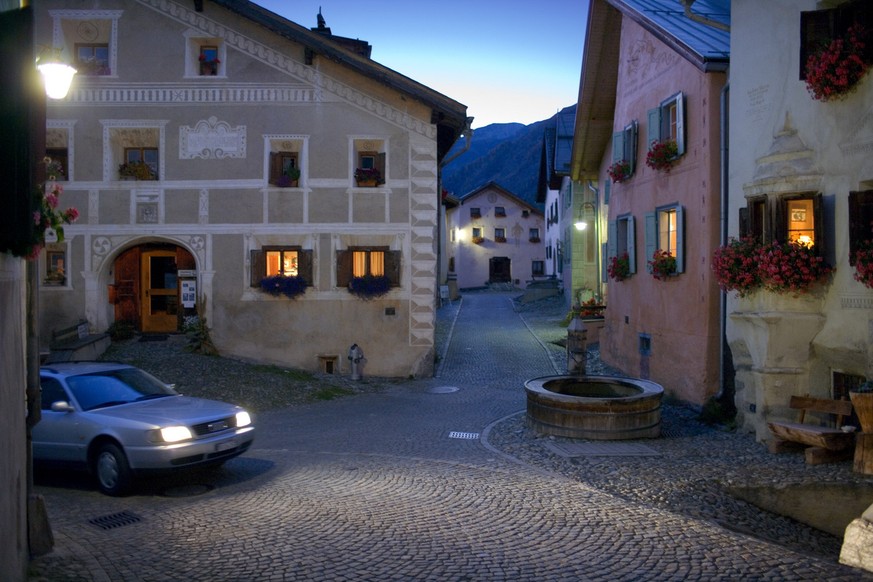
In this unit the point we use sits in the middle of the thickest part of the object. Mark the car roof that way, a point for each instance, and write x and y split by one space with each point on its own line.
77 368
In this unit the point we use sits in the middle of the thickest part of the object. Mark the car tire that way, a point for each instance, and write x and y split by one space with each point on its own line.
112 470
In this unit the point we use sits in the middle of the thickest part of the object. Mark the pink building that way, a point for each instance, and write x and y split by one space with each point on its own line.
651 85
495 237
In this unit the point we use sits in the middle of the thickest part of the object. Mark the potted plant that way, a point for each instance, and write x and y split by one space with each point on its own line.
500 239
619 171
834 71
368 177
48 219
619 267
289 286
663 265
662 154
289 179
136 171
478 240
369 286
862 400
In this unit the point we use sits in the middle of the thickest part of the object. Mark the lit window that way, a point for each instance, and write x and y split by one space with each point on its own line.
282 263
665 232
368 263
55 265
362 261
801 225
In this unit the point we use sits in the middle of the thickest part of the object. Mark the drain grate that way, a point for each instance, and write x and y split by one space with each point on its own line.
464 435
114 520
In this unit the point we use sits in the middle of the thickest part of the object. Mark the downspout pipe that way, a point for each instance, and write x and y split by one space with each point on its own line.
596 192
724 123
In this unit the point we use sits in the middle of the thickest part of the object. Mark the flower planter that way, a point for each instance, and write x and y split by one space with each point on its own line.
371 183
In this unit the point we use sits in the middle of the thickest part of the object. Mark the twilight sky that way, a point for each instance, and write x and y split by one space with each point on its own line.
506 60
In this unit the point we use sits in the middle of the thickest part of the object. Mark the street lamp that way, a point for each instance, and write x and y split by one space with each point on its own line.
57 75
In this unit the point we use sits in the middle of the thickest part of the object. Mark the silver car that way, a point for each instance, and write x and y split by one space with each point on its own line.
118 420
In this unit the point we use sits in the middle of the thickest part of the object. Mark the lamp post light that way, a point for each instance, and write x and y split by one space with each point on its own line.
56 74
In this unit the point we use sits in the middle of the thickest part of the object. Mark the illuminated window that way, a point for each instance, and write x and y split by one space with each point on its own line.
782 218
363 261
288 261
667 122
282 263
55 265
665 231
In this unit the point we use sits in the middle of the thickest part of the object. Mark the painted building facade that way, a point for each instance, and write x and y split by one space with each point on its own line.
243 133
495 237
798 162
654 88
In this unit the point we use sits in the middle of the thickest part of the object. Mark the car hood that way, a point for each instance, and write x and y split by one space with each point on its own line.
176 409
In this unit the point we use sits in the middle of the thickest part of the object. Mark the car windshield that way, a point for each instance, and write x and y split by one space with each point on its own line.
114 387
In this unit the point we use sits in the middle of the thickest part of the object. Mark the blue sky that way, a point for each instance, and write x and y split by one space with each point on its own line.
506 60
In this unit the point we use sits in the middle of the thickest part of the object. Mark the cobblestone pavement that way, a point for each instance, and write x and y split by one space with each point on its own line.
440 479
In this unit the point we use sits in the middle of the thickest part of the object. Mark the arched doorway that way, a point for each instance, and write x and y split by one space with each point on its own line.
146 287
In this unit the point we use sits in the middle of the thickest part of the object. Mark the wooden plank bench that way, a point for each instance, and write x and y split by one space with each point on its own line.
823 444
76 343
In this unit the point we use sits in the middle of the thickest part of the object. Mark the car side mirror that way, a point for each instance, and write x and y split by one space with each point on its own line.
62 406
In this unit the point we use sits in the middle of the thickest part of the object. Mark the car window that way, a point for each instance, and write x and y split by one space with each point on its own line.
115 387
51 392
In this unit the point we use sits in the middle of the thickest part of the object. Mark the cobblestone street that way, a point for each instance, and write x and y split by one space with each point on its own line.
440 479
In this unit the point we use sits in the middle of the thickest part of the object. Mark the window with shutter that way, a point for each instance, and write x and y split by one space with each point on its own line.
277 260
667 122
367 261
621 239
797 217
819 27
665 231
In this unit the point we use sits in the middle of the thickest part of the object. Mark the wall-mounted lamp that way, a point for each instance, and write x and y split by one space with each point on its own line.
57 75
580 223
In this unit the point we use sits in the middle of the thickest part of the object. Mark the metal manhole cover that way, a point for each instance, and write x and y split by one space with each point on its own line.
443 389
115 520
187 490
464 435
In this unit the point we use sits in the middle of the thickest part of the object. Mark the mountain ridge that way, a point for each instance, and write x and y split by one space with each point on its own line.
507 154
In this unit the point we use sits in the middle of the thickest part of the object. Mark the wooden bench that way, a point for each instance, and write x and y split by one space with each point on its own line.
76 343
824 444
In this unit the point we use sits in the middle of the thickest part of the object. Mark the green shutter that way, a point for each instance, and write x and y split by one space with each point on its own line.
617 146
630 146
680 123
611 242
631 244
680 239
606 187
651 238
653 127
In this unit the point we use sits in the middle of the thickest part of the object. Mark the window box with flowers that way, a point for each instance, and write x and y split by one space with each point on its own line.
500 239
209 62
618 268
834 71
662 155
747 266
478 240
619 171
48 221
368 177
864 264
290 178
662 265
534 239
136 171
289 286
369 286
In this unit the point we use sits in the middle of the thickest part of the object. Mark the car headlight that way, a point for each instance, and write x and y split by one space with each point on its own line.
243 419
174 434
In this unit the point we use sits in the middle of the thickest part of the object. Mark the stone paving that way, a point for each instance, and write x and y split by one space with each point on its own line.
439 479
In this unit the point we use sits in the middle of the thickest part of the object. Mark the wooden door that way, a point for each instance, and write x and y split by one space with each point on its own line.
160 291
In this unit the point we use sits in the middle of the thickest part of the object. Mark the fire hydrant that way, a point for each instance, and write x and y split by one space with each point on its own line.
356 355
577 347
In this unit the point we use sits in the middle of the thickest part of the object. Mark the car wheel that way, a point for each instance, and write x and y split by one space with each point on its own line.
112 470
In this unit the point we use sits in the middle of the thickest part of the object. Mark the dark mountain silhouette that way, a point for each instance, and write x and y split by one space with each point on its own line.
505 153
